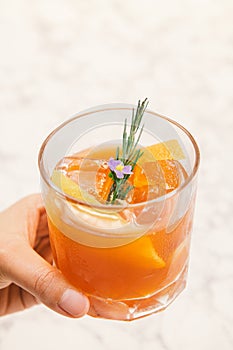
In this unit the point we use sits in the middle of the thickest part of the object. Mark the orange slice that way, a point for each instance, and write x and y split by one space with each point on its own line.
166 172
71 188
138 179
162 171
103 182
140 253
166 150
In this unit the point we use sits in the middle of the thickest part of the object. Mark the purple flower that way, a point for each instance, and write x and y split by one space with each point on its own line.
119 168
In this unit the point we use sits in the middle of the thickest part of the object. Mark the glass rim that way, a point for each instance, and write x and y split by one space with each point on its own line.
99 109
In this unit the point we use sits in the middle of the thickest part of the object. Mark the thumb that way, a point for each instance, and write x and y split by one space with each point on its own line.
32 273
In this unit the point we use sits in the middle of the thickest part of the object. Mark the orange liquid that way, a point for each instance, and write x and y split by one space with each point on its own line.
119 273
134 270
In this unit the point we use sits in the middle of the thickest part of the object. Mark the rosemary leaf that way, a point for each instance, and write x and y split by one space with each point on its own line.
129 155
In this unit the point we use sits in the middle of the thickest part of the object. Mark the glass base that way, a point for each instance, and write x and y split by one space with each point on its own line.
131 309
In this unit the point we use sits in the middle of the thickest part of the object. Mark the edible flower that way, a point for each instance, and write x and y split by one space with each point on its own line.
118 167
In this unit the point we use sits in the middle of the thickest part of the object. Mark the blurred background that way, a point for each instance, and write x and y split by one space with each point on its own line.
59 57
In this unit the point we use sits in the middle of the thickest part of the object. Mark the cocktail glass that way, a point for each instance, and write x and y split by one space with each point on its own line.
129 258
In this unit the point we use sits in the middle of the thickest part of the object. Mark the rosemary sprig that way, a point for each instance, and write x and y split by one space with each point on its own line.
122 167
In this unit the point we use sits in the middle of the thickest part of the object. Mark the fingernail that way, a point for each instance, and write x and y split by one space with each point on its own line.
74 303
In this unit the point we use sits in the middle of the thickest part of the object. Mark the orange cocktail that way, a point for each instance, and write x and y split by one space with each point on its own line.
129 257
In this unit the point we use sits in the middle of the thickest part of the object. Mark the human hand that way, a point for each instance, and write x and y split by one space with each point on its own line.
26 274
